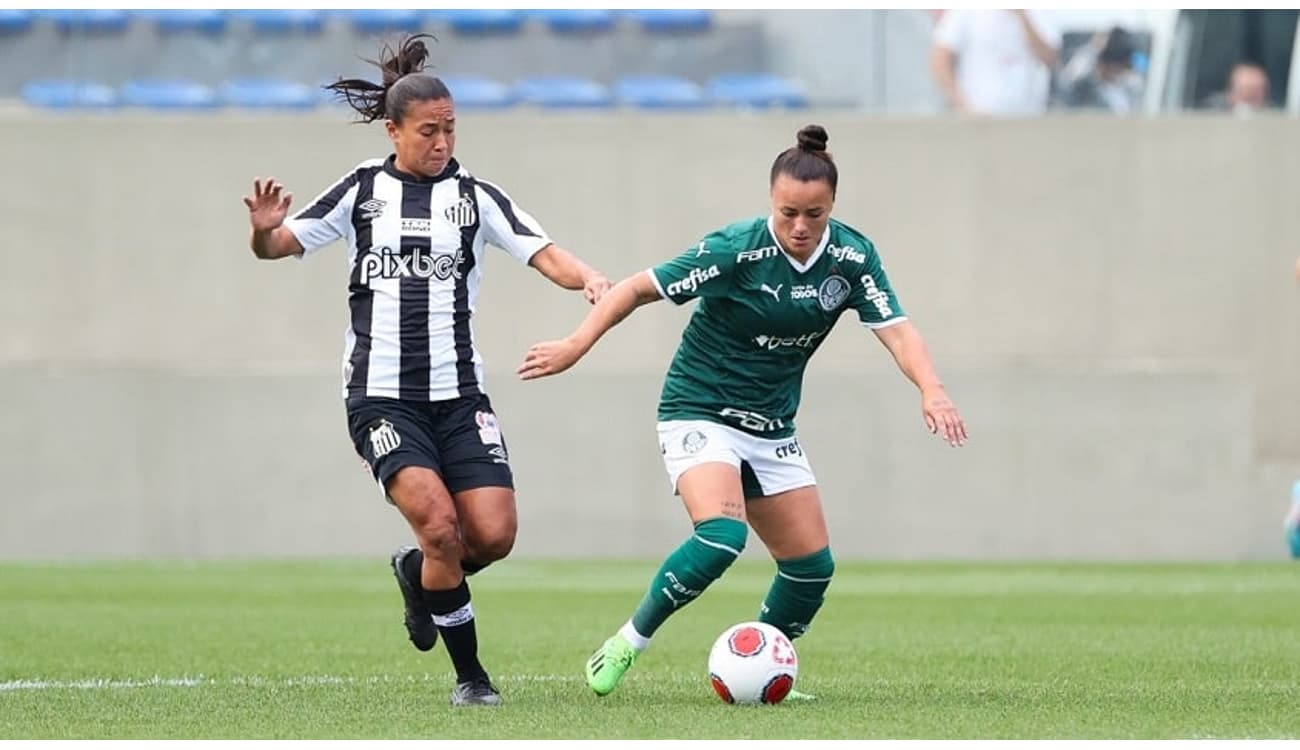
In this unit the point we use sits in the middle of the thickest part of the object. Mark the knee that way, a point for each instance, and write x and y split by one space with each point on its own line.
493 546
721 540
817 568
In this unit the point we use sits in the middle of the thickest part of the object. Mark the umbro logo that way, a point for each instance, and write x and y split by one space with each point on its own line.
372 209
776 293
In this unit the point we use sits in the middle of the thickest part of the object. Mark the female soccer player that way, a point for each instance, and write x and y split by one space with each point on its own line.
416 223
770 290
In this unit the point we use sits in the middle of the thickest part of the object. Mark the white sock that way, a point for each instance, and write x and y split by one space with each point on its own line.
638 641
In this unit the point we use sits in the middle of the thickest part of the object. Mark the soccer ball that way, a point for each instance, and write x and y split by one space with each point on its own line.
753 662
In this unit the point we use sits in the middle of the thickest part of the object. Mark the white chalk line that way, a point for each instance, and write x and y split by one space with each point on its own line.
256 681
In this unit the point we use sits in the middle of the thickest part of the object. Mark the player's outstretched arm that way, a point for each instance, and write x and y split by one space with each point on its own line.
566 270
267 209
553 357
913 358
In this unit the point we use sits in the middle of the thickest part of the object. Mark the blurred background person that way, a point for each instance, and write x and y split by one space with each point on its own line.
995 62
1248 90
1100 74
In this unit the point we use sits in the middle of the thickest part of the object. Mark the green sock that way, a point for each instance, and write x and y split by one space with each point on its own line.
797 592
699 561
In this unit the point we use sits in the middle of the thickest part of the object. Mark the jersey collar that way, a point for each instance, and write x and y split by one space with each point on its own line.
812 259
390 166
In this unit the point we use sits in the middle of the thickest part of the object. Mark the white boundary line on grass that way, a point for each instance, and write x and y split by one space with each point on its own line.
109 683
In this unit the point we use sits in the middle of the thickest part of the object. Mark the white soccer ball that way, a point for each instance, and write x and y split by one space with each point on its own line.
753 662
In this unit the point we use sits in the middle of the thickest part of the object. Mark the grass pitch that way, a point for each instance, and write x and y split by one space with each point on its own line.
316 650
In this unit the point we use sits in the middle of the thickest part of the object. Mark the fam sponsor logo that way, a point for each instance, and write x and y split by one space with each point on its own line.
418 263
805 341
749 256
846 254
752 420
693 280
877 297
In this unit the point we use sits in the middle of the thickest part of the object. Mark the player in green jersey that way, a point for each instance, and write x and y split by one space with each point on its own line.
770 290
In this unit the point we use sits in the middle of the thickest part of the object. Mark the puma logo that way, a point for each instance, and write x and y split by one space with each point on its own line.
776 293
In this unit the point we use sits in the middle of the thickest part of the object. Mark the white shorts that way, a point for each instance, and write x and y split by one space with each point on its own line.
766 466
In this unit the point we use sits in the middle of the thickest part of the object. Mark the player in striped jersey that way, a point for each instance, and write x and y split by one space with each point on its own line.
416 224
771 289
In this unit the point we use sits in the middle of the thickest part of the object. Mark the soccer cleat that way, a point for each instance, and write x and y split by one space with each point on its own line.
419 620
475 692
608 665
795 695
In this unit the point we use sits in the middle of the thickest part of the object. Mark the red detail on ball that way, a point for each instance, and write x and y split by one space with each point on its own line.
721 689
747 642
778 688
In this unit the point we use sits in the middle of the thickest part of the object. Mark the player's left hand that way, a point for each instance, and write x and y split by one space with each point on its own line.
942 418
595 286
549 358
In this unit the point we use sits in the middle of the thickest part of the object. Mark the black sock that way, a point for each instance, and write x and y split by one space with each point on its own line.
454 617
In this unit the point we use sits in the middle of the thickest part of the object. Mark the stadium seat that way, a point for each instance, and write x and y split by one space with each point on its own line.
14 21
68 94
486 21
477 92
100 21
380 21
563 92
267 93
282 21
757 90
167 94
671 21
660 92
176 21
577 21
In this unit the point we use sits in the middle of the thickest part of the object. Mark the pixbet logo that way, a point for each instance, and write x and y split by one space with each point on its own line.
386 263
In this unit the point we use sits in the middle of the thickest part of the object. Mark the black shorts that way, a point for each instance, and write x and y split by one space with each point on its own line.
459 439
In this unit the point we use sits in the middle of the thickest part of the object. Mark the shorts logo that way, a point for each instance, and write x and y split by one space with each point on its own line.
787 450
488 430
384 439
372 209
834 290
694 441
498 453
461 213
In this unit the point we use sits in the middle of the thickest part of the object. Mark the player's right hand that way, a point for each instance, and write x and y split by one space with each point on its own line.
269 205
549 358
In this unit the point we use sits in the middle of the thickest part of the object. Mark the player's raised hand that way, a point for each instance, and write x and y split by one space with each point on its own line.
549 358
942 417
594 286
269 205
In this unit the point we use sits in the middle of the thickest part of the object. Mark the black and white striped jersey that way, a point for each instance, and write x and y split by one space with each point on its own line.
415 251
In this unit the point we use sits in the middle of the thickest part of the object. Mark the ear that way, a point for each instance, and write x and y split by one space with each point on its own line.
391 127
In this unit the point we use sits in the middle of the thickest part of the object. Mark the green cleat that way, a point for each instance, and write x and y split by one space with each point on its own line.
795 695
608 665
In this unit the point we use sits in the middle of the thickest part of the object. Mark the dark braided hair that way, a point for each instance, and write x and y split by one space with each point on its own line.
808 161
403 82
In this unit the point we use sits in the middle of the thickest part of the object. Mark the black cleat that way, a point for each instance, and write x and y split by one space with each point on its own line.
419 620
475 692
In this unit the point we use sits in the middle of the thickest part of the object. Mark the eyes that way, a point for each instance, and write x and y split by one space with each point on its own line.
429 131
812 213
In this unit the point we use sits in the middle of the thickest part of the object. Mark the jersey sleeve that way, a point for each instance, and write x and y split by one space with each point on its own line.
952 30
508 226
327 218
873 297
705 270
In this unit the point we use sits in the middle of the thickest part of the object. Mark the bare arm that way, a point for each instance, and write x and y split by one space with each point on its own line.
943 66
1042 49
904 342
553 357
566 270
267 210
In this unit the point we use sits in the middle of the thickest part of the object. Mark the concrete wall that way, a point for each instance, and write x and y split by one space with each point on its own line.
1110 302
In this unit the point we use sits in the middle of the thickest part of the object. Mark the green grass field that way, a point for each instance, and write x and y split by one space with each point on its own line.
317 650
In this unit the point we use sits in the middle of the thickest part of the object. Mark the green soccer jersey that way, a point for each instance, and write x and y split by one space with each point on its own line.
761 316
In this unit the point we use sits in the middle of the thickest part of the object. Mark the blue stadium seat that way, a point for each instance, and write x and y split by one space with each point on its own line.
14 21
671 21
68 94
486 21
267 93
380 21
563 92
167 94
660 92
577 21
282 21
477 92
102 21
757 90
173 21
